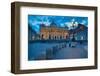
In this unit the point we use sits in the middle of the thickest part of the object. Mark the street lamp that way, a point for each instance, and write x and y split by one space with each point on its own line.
73 27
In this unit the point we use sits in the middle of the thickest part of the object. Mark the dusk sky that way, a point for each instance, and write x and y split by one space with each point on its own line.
61 21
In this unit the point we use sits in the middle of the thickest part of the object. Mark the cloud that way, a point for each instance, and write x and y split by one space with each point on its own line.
73 20
33 23
69 24
76 24
83 22
62 25
46 23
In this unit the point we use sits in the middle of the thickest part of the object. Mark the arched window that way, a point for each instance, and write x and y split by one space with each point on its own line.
81 37
42 36
66 36
75 38
49 36
55 37
60 37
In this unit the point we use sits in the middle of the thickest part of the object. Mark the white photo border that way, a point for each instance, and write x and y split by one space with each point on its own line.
25 64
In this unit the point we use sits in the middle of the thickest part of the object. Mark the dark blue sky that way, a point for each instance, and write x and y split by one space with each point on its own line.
35 20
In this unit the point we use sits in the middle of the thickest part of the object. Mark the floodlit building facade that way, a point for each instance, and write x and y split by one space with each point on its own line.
53 32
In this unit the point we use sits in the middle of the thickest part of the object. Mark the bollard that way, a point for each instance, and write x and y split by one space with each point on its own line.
54 49
59 47
49 53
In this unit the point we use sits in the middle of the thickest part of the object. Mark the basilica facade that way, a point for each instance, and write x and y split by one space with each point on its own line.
53 32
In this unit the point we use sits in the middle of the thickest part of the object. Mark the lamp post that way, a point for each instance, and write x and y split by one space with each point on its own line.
73 27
